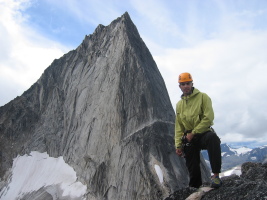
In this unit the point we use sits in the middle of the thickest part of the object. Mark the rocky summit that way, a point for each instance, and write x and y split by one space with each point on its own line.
250 185
105 109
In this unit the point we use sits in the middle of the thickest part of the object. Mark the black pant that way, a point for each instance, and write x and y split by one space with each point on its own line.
209 141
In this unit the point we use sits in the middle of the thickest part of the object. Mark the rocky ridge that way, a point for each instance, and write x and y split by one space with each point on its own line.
250 185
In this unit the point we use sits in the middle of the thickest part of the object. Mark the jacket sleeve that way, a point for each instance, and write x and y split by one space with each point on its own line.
207 116
179 129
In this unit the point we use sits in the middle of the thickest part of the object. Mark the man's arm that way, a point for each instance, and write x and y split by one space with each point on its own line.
179 130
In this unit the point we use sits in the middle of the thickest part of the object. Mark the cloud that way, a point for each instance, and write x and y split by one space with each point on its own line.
236 137
231 70
24 54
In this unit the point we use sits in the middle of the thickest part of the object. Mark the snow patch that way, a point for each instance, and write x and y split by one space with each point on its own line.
159 173
240 151
253 158
236 170
37 170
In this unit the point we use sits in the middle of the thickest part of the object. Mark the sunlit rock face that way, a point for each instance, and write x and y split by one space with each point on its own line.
104 107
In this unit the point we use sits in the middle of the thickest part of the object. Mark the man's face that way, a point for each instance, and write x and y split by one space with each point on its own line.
186 87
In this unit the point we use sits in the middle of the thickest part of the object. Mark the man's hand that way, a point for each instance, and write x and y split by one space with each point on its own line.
189 136
179 152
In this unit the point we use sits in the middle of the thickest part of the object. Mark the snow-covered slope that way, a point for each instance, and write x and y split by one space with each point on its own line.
33 172
235 170
229 151
240 151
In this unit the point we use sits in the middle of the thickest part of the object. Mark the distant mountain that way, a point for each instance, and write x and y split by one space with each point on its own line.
258 154
232 157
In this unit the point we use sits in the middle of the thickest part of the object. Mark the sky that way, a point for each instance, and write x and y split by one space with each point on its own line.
223 45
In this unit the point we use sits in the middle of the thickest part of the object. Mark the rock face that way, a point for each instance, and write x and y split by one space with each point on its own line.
104 107
250 185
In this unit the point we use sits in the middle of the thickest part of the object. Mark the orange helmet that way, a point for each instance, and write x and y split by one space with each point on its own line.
185 77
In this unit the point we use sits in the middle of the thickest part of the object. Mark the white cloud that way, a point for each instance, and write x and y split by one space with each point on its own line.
232 137
25 54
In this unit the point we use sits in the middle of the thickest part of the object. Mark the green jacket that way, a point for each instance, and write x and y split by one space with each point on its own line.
193 112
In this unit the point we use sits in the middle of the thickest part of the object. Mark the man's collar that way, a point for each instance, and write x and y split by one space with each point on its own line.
192 91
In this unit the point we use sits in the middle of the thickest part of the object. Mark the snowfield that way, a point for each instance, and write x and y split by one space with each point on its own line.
37 170
241 150
235 170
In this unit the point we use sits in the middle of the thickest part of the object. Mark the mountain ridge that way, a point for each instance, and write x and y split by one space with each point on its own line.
233 157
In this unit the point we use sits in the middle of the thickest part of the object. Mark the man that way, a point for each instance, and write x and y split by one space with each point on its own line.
193 132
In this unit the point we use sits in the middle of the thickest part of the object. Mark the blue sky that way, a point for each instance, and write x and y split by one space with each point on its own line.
223 44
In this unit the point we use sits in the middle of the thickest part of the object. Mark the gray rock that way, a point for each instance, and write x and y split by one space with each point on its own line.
52 192
251 185
104 107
